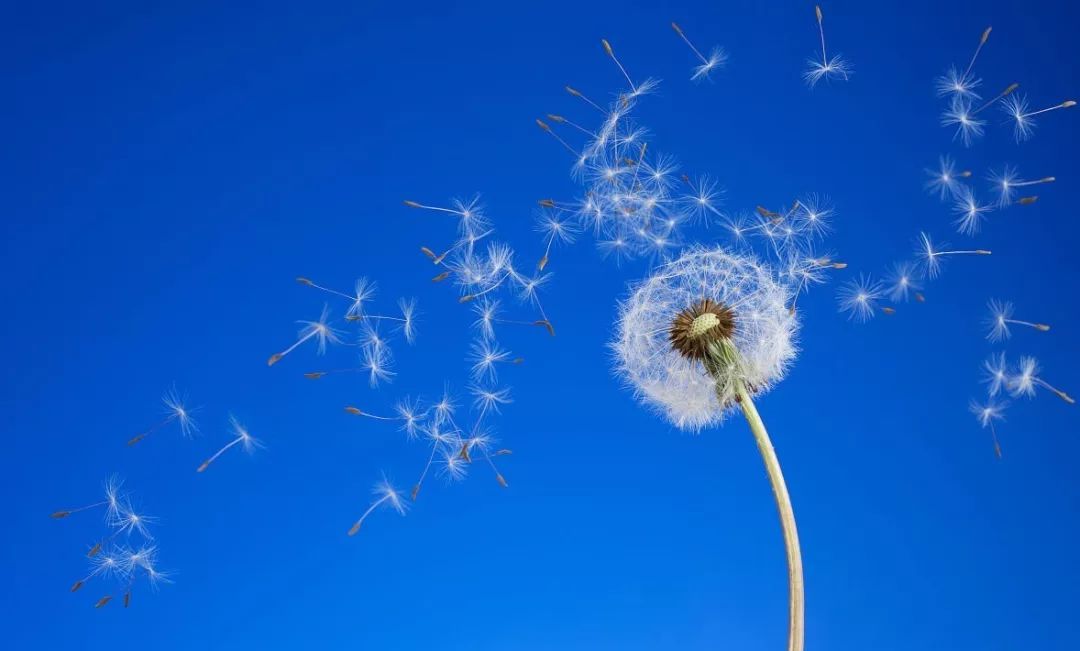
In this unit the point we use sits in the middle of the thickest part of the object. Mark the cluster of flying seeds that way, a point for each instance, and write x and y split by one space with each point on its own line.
965 108
1001 377
486 277
865 297
116 556
126 553
178 413
639 204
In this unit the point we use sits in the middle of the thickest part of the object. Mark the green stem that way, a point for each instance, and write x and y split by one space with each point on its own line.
796 601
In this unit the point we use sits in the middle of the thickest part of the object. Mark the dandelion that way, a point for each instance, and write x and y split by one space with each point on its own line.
1026 379
113 502
1001 313
243 438
932 257
962 85
695 341
1007 183
969 212
827 68
319 330
1016 106
385 496
986 413
716 59
995 374
176 410
859 298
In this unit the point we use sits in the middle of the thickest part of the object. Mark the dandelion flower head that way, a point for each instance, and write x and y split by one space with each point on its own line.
676 322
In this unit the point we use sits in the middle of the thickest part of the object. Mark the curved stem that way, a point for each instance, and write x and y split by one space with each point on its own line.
796 600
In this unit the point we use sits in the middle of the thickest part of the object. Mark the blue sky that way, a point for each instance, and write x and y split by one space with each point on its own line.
170 170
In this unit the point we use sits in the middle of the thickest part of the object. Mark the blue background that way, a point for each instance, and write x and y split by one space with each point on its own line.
169 170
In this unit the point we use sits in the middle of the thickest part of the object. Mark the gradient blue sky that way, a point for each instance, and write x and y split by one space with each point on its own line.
169 170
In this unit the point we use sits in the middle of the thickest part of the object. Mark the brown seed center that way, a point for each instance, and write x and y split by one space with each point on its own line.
700 325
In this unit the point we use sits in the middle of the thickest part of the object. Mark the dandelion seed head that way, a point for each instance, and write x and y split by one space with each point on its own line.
746 302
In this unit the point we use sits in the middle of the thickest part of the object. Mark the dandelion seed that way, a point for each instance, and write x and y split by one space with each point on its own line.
695 341
106 565
555 230
142 560
968 127
932 257
1027 379
243 438
1007 183
970 213
1001 313
1016 106
319 330
386 496
485 357
716 59
176 410
959 84
113 502
995 374
986 413
859 298
902 281
945 180
826 68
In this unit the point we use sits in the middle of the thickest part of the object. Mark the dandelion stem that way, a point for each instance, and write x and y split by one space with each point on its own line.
796 602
